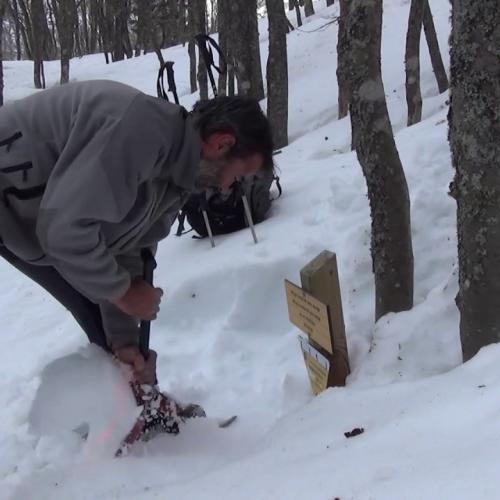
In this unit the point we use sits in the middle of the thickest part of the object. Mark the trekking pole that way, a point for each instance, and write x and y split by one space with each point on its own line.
204 207
209 229
149 265
205 52
248 213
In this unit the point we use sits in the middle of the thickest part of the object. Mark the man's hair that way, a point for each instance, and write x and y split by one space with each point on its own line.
242 117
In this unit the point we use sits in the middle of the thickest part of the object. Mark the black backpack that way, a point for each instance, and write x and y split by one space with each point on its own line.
225 211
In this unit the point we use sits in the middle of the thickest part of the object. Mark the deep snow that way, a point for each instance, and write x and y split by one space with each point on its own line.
224 339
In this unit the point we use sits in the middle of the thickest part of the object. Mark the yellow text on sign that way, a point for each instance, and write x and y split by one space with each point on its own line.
309 314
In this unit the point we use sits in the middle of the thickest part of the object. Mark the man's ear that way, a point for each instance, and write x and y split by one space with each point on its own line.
227 141
221 142
216 145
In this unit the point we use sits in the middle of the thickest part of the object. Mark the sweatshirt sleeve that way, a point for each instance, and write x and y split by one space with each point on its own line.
96 180
121 329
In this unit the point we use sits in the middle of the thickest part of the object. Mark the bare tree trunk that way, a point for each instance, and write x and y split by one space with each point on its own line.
106 53
231 76
191 45
17 26
200 15
289 25
66 21
174 25
50 45
435 53
2 13
53 36
27 31
225 24
244 44
214 8
94 26
118 30
38 20
42 74
85 27
192 66
120 36
343 63
127 44
157 37
77 47
105 23
474 129
391 245
412 62
142 26
222 22
253 40
308 8
239 45
184 9
277 73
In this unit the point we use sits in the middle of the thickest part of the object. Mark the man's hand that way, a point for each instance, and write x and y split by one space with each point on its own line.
144 370
141 300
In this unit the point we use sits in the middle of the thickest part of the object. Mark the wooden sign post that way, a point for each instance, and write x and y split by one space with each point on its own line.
316 309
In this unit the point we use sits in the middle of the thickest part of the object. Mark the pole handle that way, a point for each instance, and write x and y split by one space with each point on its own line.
149 265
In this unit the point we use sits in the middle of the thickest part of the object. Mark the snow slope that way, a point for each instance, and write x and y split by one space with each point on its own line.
224 339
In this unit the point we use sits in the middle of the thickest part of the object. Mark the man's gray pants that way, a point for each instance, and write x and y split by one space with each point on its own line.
86 313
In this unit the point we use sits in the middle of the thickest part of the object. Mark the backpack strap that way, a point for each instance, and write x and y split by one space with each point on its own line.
278 185
208 56
181 217
160 87
172 87
181 228
276 179
160 84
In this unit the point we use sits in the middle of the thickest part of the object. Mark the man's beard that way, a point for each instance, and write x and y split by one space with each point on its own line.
209 174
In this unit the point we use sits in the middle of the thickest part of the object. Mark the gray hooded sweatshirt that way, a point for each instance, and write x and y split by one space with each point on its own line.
90 173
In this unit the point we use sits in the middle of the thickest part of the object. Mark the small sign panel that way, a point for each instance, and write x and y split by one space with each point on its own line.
317 366
309 314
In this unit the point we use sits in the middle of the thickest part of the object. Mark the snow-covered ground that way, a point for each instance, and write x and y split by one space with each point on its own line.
224 339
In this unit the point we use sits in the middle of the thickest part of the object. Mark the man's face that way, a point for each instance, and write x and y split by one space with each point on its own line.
222 172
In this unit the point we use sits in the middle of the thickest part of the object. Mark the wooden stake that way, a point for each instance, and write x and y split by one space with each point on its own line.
320 278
